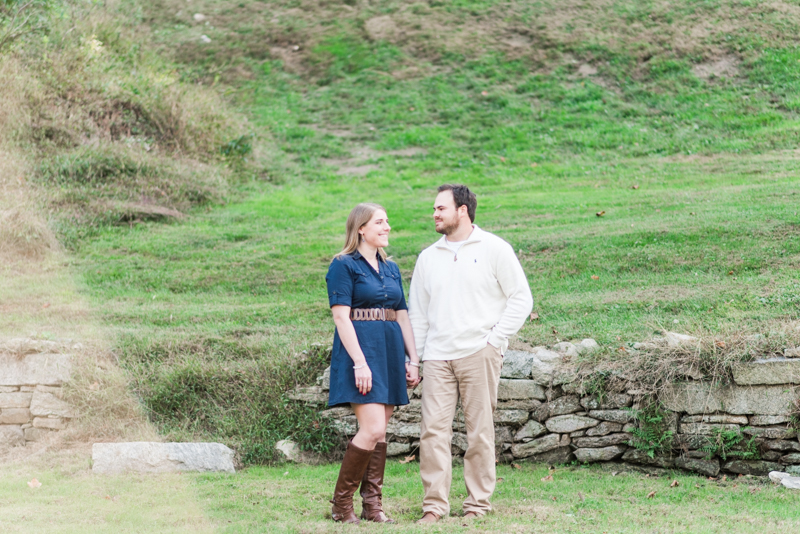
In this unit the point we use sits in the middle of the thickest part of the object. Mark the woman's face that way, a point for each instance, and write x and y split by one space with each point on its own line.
376 231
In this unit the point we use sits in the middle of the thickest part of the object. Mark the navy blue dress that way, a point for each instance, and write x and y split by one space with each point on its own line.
353 282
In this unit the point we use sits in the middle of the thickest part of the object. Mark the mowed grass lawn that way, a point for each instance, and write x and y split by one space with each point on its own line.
290 498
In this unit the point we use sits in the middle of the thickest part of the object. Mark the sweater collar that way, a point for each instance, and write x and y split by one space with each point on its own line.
474 237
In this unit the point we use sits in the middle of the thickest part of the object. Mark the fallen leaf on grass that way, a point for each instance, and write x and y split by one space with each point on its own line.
651 494
548 478
634 187
720 344
516 466
534 164
595 277
34 484
95 386
484 93
534 316
674 484
502 159
553 498
581 497
46 305
600 213
408 459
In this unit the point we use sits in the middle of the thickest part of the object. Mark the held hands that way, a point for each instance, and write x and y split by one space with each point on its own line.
363 379
412 375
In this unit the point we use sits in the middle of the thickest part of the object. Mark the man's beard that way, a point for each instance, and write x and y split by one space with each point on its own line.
448 229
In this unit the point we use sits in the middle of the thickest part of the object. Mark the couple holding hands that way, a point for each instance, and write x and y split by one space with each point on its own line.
468 295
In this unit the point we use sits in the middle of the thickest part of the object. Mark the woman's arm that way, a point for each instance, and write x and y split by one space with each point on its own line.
347 333
412 371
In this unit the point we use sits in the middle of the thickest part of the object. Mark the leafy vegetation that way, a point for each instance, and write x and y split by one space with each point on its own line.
730 444
653 433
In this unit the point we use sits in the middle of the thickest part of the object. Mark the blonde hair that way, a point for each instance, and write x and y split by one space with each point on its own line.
359 216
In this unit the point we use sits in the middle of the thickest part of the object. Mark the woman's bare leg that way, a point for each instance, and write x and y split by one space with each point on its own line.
372 421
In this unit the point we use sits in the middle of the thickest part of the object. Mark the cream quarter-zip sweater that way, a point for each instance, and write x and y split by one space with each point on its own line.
458 303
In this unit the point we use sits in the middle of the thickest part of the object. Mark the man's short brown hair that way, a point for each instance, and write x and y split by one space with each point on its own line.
463 197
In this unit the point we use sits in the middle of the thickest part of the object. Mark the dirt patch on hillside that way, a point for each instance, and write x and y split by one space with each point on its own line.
724 67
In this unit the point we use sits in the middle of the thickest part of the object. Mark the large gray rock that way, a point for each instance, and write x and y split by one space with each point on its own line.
309 395
47 369
517 364
11 436
563 405
15 416
599 455
564 424
532 429
537 446
46 404
346 425
150 457
781 445
615 416
403 430
772 371
410 413
559 455
519 404
15 400
502 435
791 458
706 429
637 456
775 432
459 443
704 467
519 389
703 397
324 381
751 467
396 449
608 402
548 369
602 441
566 348
716 419
605 427
767 420
514 417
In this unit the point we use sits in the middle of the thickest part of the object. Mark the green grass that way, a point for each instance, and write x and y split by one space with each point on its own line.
291 498
579 499
77 501
695 174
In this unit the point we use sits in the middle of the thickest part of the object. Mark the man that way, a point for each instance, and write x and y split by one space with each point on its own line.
468 295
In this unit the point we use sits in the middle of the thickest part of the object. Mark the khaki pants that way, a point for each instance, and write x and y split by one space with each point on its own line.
475 380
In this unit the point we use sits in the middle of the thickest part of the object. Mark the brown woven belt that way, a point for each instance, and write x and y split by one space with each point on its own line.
373 314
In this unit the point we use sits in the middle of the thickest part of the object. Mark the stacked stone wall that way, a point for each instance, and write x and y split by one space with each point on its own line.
544 415
32 374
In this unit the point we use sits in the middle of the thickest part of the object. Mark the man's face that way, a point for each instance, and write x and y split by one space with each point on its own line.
445 214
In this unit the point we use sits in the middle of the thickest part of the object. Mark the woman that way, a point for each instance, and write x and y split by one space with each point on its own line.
368 367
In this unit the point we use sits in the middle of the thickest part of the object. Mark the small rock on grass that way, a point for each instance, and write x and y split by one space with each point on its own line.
777 476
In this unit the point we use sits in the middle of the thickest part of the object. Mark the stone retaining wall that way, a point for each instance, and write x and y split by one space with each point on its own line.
32 374
543 415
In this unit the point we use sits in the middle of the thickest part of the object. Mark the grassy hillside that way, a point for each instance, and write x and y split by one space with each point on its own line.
677 120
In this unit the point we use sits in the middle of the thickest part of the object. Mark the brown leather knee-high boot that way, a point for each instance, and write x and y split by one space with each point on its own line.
372 487
350 474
